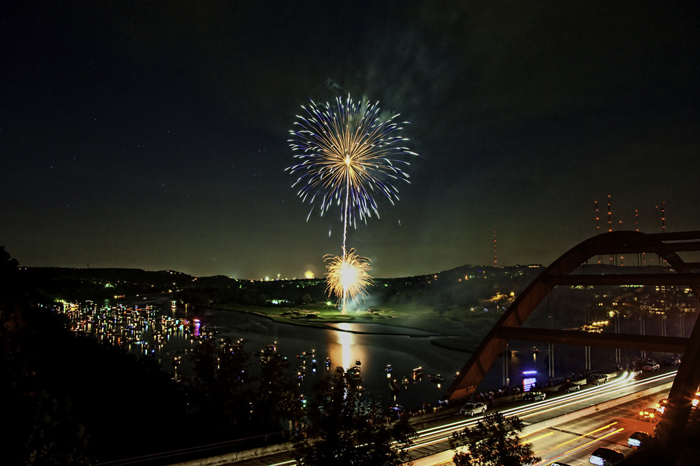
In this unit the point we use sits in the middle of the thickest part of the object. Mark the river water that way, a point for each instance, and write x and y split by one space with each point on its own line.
405 349
374 351
168 334
376 347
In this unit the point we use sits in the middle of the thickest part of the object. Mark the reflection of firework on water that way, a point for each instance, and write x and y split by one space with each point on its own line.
347 154
348 278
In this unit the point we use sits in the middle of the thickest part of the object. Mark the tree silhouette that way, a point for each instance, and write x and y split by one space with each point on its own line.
343 428
223 384
43 425
278 394
493 441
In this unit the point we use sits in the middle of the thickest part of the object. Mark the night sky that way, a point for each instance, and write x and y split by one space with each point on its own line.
154 135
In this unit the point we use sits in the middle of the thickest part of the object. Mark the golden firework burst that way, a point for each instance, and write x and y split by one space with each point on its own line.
347 278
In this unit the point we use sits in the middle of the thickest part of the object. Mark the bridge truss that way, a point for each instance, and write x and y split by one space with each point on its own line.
666 246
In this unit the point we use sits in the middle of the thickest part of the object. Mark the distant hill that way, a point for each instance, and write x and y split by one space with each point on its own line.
463 286
109 275
172 278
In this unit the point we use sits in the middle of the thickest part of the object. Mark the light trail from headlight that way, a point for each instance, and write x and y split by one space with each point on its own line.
579 448
441 433
434 435
586 434
540 437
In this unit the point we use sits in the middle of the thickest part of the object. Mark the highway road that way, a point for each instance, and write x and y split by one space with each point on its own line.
572 442
581 423
575 426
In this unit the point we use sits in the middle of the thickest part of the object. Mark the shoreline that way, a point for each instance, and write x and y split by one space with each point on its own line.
452 342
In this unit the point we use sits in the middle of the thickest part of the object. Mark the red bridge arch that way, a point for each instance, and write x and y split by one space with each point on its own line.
666 246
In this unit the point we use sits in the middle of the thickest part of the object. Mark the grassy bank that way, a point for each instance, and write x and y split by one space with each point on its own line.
463 330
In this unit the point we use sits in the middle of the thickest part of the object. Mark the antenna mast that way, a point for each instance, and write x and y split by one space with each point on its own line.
495 251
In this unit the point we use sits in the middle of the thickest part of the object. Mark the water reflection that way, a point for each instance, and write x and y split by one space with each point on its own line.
392 362
346 341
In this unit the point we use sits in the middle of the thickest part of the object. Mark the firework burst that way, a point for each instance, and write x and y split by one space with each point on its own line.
348 278
347 154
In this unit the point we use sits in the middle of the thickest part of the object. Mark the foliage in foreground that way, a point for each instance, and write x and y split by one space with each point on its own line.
224 394
493 441
344 428
73 400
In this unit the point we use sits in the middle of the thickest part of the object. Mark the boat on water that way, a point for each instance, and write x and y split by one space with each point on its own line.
436 378
417 373
267 353
388 368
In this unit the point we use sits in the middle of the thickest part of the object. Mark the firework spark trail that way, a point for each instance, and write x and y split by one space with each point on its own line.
347 155
347 278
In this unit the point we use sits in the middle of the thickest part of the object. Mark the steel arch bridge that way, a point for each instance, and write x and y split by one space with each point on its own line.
666 246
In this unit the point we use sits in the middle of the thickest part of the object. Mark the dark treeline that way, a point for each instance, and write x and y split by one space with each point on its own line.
457 289
71 400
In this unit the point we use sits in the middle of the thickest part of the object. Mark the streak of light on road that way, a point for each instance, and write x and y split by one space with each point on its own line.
578 448
540 437
625 382
588 434
442 433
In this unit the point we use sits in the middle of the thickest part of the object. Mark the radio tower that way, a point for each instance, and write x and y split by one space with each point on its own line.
610 224
663 216
622 258
640 261
495 252
663 222
597 226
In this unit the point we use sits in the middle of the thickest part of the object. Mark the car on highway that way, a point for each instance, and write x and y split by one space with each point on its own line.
639 440
674 360
661 405
651 366
649 414
569 387
606 457
471 409
395 412
534 395
597 379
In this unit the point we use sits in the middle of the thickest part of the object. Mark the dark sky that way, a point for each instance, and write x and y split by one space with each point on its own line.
154 134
